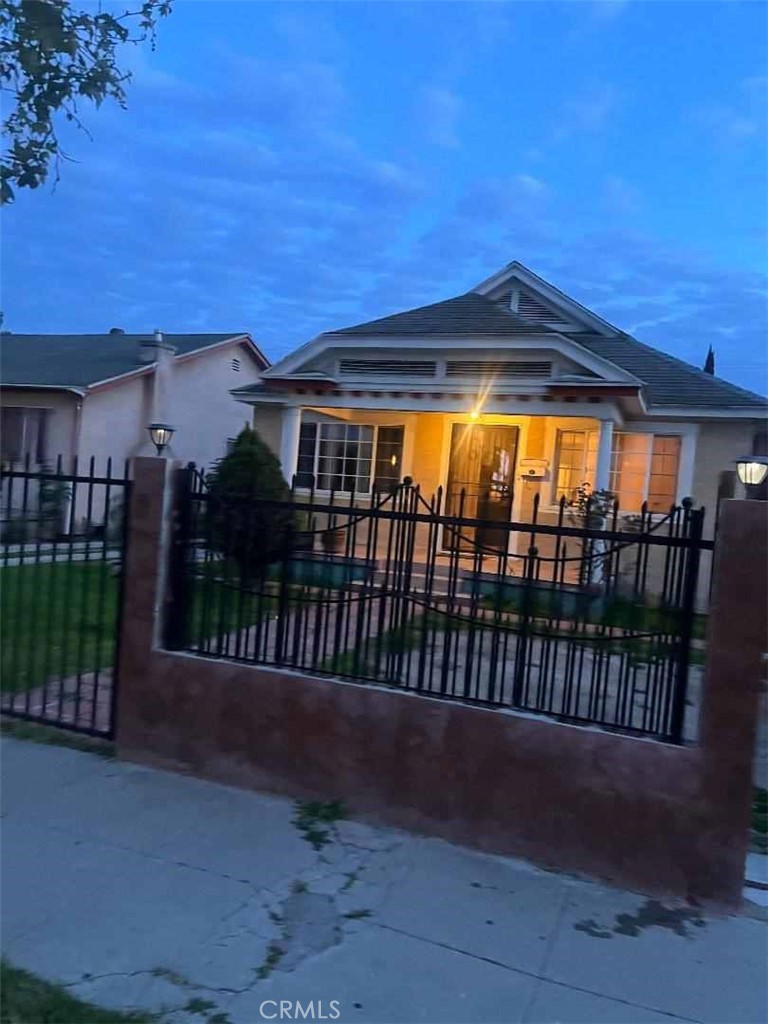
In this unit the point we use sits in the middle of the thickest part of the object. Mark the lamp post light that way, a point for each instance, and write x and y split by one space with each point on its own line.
752 469
160 434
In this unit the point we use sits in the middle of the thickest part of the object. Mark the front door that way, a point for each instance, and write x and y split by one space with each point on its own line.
482 466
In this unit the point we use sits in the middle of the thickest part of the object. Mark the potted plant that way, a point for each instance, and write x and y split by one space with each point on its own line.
590 510
304 536
334 540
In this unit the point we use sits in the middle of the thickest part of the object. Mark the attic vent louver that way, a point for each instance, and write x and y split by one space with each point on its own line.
236 365
506 369
529 306
387 368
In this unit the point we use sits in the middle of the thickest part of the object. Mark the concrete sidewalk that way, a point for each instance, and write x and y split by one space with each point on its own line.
145 889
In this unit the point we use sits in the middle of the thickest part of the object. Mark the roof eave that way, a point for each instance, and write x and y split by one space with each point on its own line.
71 388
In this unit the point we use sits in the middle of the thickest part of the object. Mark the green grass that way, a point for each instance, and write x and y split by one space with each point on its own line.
619 612
220 605
27 999
60 618
316 820
55 618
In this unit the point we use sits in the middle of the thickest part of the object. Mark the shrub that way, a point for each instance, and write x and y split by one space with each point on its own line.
242 526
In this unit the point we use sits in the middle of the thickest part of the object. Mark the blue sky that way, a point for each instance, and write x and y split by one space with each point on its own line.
286 168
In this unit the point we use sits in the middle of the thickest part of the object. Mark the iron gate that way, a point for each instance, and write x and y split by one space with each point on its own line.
62 549
583 614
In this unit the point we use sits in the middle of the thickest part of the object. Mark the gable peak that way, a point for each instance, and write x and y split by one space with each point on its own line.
532 297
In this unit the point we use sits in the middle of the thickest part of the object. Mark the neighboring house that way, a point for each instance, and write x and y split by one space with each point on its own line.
93 395
511 391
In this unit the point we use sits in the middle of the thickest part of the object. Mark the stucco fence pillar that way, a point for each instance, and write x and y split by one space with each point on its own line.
655 817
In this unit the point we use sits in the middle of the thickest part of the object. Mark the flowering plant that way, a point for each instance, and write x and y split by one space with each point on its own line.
592 503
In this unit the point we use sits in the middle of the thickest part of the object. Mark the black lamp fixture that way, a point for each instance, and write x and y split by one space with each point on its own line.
160 434
752 469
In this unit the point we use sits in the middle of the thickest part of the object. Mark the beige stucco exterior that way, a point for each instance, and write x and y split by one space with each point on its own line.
708 448
110 421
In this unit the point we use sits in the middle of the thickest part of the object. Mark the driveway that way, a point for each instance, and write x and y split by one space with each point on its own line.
139 888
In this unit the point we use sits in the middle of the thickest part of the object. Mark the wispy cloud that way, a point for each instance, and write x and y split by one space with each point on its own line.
439 111
742 118
608 9
620 197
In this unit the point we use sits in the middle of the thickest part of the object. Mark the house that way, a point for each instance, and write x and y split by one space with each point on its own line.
509 392
94 395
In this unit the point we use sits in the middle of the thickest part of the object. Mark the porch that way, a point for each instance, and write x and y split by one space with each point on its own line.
493 469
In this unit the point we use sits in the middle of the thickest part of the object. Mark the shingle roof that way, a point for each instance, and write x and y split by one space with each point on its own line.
78 360
667 381
469 314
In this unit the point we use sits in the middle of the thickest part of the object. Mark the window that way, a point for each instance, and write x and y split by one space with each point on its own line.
24 432
576 461
644 467
340 456
389 458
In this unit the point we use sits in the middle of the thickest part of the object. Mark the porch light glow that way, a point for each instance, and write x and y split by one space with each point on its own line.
475 415
160 434
752 469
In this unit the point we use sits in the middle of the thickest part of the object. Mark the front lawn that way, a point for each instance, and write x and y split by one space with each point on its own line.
61 618
55 618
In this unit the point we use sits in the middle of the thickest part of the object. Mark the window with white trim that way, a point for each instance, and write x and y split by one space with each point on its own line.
23 432
644 467
575 462
349 456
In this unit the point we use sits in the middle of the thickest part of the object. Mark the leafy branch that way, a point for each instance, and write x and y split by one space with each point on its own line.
52 58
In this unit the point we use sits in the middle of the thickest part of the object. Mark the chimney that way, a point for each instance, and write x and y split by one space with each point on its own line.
152 350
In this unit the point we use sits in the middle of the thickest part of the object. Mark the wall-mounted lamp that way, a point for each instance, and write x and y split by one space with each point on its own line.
160 434
752 469
475 415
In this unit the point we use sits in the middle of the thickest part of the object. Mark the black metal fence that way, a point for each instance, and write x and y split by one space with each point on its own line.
581 614
62 545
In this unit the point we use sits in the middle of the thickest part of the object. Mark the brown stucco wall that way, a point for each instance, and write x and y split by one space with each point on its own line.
634 811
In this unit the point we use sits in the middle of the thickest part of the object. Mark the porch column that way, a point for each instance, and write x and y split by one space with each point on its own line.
604 449
289 440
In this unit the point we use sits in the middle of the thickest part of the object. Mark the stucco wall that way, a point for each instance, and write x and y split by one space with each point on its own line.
62 420
198 404
201 407
114 422
635 811
267 421
429 432
718 447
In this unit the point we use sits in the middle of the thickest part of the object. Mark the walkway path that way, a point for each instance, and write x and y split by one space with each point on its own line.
139 888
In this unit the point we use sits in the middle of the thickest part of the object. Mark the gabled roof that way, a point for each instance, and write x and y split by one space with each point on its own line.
82 360
467 315
667 382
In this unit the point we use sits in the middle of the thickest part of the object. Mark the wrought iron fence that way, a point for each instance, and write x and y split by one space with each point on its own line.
62 545
579 614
